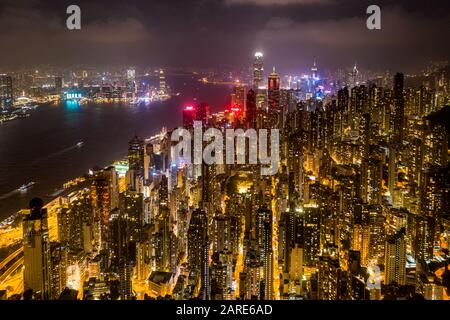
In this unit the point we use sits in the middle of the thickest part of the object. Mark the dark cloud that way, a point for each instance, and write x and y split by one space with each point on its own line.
405 40
292 33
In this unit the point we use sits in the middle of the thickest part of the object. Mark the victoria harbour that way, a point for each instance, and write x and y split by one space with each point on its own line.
44 148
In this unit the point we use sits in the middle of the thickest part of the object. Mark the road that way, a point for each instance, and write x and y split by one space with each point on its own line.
10 257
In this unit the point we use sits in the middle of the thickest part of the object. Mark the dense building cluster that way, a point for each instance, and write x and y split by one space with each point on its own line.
358 210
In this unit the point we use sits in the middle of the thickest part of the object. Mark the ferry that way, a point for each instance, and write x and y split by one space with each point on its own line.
80 144
26 187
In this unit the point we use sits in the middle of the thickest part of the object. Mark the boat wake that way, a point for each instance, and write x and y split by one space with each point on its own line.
9 194
78 145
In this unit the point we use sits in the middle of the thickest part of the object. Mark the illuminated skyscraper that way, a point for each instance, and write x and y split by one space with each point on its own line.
329 277
273 95
314 69
353 81
58 85
202 113
274 90
395 259
136 156
264 238
311 225
6 92
198 250
58 274
238 97
251 109
399 108
162 82
37 258
258 71
104 197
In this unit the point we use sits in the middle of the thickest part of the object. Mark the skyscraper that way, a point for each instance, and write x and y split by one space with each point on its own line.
264 238
6 92
58 85
395 259
251 109
273 95
258 71
37 259
136 157
314 69
399 108
162 82
274 90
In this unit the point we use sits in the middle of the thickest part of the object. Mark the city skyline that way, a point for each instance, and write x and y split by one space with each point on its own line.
269 150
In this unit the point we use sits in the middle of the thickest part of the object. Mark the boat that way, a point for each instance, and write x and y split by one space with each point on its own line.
80 144
26 187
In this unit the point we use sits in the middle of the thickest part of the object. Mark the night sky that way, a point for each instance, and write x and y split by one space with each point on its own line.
225 33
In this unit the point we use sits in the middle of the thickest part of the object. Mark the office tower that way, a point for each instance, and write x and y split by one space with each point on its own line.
314 70
136 156
258 71
198 249
162 82
37 258
221 240
6 92
371 181
125 274
131 204
118 244
395 259
373 237
238 97
268 261
292 223
250 112
422 232
202 114
58 254
72 220
189 117
273 95
311 232
264 238
353 80
435 191
344 119
104 197
296 270
58 85
131 83
329 277
399 109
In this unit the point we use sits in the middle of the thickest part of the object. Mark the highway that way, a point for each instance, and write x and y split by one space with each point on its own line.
9 258
11 270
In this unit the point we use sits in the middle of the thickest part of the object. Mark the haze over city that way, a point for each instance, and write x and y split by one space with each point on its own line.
218 33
